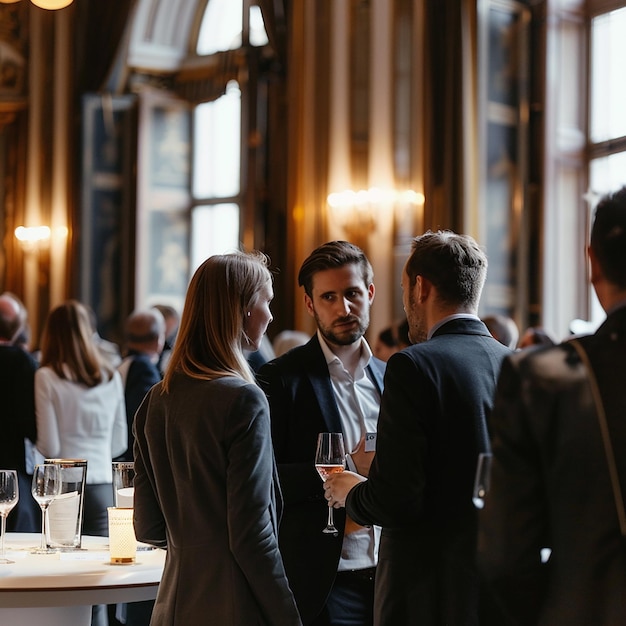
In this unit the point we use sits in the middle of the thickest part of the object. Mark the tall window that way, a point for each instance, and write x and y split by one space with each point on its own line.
216 176
607 110
607 124
217 156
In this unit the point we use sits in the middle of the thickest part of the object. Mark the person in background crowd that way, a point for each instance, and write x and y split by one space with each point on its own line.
172 320
558 478
205 484
504 329
23 337
536 336
145 338
79 402
332 383
109 350
17 379
431 429
392 339
287 339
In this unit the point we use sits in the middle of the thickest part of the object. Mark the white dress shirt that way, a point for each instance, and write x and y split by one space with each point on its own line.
358 401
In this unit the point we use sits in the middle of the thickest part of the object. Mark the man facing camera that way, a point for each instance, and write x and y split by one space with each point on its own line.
331 384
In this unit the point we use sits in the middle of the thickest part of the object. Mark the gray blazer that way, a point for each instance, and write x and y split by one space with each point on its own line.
206 489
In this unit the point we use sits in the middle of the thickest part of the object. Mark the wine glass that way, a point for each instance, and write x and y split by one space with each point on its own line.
46 487
330 458
9 495
482 479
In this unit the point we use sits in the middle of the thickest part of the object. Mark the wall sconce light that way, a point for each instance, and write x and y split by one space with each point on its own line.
358 211
37 237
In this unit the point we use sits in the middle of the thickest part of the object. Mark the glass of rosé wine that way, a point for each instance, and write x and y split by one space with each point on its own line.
330 458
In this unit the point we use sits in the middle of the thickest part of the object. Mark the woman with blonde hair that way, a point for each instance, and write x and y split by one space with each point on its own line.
206 484
79 402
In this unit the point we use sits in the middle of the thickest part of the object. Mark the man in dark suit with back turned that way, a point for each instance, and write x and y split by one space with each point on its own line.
431 428
17 394
556 481
331 384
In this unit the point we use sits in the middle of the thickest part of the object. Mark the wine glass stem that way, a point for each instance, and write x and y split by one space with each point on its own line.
2 533
331 519
44 544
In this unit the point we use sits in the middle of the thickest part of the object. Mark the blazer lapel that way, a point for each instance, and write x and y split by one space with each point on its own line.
322 387
376 374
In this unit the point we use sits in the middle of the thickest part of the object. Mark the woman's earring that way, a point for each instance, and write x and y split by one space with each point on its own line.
248 313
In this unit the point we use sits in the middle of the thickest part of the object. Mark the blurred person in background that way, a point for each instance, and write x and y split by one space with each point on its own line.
172 321
79 401
17 380
144 340
536 336
392 339
503 328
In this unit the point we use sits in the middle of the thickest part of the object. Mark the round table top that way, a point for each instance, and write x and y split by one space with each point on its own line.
70 577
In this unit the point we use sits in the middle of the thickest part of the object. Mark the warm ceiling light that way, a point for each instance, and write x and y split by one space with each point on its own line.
8 1
51 5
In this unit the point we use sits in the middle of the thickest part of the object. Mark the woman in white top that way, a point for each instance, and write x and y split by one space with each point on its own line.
79 401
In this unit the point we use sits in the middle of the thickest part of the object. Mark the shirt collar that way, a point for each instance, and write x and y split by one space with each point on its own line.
331 357
457 316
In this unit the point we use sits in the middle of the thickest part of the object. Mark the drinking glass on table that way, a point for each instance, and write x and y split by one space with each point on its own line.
9 495
330 458
45 488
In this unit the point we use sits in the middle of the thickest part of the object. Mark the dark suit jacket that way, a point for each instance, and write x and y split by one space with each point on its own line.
302 404
551 488
431 427
206 488
17 391
141 375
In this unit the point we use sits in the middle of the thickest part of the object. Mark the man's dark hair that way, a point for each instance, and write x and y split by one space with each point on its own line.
454 264
332 255
608 237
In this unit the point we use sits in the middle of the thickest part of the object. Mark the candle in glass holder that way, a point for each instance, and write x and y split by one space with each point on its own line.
122 541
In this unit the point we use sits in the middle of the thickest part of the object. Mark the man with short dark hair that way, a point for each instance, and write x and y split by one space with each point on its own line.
431 429
331 384
17 393
558 479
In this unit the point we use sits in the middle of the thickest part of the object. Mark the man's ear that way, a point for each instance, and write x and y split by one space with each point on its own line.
371 292
423 286
308 303
595 271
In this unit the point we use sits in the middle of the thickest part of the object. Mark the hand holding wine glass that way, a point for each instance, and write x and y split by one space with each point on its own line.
330 458
9 495
45 488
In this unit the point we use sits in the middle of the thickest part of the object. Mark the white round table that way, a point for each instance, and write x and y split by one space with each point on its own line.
59 589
